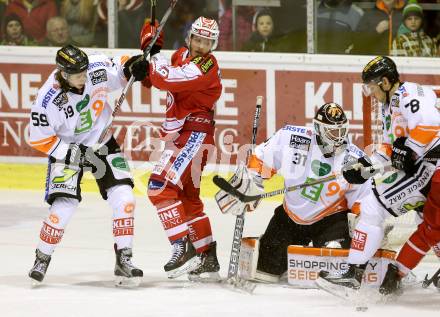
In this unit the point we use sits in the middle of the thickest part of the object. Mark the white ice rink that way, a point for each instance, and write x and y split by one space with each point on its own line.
80 277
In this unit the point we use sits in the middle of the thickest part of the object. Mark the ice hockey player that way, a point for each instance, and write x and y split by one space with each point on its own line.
192 81
410 144
67 118
316 214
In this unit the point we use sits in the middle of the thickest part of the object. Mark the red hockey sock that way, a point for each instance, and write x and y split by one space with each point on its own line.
172 218
200 233
412 252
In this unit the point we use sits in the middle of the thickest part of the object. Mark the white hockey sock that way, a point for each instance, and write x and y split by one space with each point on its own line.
122 201
365 242
52 230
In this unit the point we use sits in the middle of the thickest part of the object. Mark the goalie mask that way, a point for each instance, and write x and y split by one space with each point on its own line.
204 27
331 127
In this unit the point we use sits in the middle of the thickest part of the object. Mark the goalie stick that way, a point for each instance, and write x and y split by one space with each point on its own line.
234 259
145 55
223 184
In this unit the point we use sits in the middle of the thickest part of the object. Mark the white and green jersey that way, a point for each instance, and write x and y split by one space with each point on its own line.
59 118
293 153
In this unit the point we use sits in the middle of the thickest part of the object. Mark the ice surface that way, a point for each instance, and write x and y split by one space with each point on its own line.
80 277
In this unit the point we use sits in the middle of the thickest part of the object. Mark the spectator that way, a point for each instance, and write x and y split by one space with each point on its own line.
81 16
58 33
378 27
13 32
413 42
33 14
337 22
261 39
243 26
131 16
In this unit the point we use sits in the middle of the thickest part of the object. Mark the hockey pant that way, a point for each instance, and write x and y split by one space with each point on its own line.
427 235
283 231
120 199
174 188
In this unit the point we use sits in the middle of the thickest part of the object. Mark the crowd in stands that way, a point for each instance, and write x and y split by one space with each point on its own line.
373 27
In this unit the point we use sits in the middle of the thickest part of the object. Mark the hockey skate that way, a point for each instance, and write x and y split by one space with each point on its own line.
39 269
392 282
344 283
126 274
183 260
209 267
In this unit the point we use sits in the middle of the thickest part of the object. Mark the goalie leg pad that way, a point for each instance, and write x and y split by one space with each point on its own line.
280 233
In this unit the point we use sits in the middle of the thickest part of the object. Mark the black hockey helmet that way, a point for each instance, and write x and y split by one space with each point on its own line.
379 67
71 59
331 126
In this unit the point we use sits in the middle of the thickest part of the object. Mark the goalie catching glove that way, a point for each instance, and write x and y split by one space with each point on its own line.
245 181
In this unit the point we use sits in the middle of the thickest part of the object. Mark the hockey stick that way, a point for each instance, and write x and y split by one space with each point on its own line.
145 55
434 279
227 187
234 259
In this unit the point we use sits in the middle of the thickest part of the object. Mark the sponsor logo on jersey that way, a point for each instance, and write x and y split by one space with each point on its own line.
185 156
123 227
317 265
54 218
129 208
320 168
390 179
207 65
120 163
197 60
51 234
358 240
83 103
354 149
98 76
47 97
67 174
313 192
60 100
96 64
299 142
293 128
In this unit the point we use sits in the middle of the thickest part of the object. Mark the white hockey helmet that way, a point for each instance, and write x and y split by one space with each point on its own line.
204 27
331 126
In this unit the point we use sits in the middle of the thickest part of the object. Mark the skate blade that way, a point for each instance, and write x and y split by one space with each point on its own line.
35 283
241 285
127 282
206 277
189 266
340 291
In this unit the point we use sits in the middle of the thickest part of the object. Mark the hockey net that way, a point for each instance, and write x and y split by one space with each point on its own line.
405 225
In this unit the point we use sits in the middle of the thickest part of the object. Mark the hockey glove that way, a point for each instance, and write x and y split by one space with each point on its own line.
402 156
137 67
76 156
355 173
147 33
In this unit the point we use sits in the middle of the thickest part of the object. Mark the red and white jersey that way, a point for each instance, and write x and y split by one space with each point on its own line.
294 154
59 118
193 85
411 113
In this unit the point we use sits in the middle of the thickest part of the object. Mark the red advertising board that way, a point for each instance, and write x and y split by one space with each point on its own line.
291 96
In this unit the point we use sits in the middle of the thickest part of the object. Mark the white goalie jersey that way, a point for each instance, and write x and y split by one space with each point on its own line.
59 118
293 153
